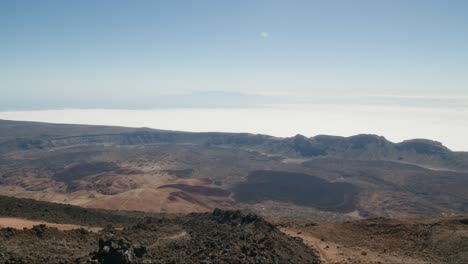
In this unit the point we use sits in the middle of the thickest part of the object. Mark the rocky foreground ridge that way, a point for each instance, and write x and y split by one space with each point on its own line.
217 237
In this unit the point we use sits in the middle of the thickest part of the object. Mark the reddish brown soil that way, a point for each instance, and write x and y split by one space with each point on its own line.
19 223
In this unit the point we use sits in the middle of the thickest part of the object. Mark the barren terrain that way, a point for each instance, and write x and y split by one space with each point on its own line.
435 240
215 237
325 177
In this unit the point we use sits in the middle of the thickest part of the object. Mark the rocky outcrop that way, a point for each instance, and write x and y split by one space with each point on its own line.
117 250
236 217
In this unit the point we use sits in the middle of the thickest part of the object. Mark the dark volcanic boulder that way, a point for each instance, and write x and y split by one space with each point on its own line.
117 250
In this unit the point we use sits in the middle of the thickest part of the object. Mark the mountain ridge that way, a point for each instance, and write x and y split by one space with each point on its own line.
125 168
424 152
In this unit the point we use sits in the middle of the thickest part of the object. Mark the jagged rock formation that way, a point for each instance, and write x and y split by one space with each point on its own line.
117 250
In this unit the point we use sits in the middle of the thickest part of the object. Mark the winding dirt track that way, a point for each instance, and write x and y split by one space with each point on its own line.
331 252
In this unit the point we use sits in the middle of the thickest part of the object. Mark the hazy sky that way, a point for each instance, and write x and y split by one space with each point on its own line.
397 68
113 54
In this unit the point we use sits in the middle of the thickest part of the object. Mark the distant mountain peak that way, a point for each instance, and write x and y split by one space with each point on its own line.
423 146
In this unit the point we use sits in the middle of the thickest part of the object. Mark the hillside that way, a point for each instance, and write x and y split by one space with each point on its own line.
15 135
320 178
41 232
217 237
380 240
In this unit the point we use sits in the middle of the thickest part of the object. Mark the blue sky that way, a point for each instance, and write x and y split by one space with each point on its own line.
112 54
